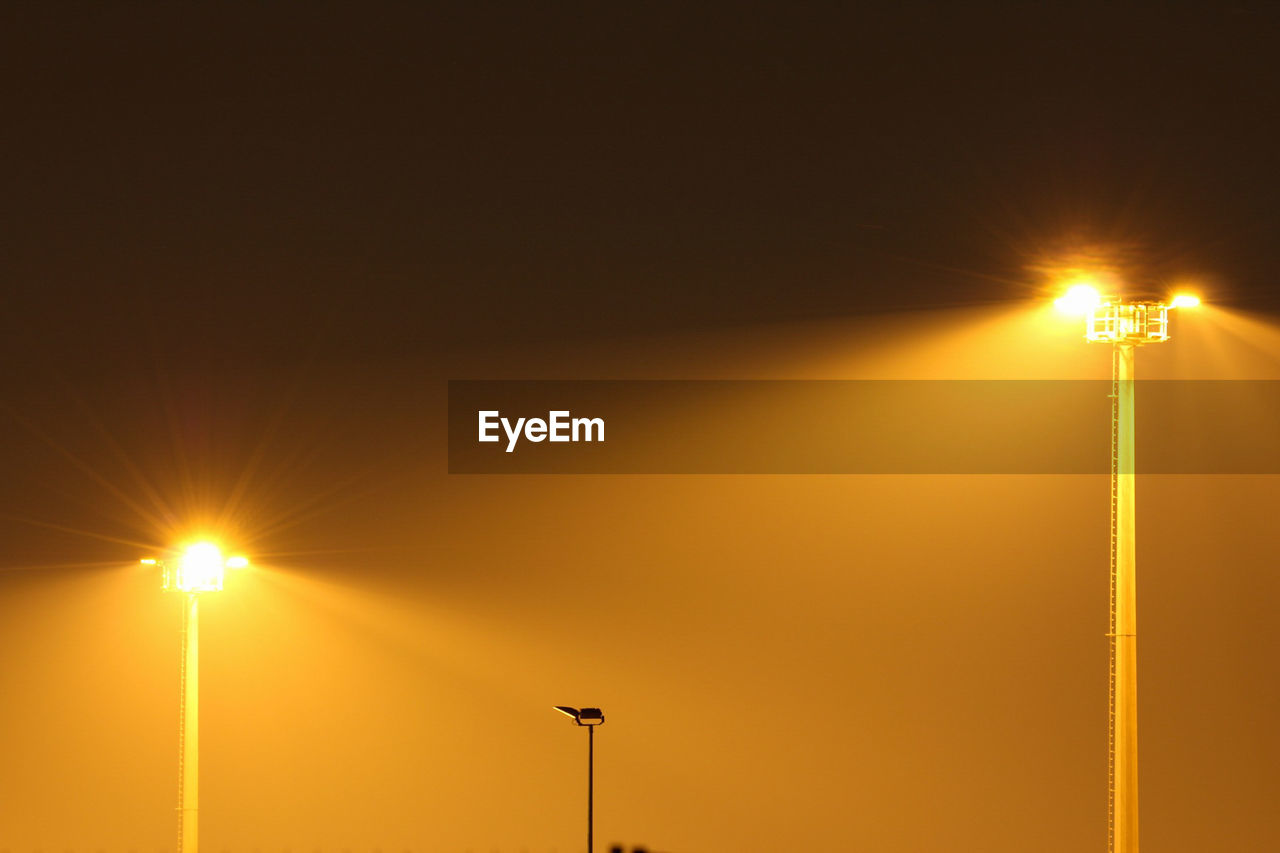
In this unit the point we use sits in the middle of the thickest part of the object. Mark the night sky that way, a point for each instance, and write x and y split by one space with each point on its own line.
403 176
245 246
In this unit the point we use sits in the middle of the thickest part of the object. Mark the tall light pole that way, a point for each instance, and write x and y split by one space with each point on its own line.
589 717
1125 326
197 570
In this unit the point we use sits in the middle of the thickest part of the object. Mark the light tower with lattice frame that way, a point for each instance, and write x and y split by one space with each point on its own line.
199 569
1125 325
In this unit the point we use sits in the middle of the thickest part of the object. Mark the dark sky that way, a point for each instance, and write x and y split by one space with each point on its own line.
243 247
404 175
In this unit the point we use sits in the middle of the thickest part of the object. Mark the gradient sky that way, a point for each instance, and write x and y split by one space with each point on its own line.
244 249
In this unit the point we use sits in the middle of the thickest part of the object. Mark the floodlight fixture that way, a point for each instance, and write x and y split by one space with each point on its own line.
1113 320
199 568
1078 300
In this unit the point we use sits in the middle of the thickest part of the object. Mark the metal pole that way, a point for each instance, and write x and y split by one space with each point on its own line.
1124 625
591 763
189 755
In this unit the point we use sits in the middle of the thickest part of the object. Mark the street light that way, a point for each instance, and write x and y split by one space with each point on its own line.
1125 326
589 717
200 568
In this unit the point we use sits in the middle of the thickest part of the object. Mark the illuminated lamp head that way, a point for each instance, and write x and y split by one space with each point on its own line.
200 568
1079 300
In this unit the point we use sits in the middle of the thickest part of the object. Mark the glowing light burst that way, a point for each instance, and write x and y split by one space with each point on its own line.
1079 300
200 568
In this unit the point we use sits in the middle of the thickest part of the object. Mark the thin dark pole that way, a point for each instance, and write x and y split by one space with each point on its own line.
591 782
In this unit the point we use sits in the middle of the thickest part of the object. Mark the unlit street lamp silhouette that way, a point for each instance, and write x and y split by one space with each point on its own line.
589 717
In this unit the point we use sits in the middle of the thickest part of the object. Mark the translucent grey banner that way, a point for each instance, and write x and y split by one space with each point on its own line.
856 427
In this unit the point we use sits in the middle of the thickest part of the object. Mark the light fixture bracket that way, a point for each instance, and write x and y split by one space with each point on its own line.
1114 321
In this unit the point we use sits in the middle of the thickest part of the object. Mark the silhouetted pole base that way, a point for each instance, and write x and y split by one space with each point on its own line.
591 764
